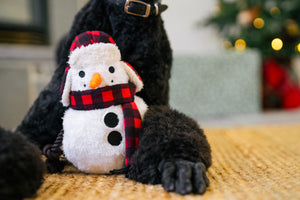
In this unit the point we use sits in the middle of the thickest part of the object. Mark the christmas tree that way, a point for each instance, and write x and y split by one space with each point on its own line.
273 28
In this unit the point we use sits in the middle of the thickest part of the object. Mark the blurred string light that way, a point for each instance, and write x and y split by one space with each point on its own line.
277 44
258 23
275 11
298 47
292 27
240 44
227 44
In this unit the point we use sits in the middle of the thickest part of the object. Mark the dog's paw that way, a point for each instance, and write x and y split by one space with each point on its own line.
183 177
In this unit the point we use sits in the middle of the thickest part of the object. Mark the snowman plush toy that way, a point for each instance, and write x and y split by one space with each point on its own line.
104 116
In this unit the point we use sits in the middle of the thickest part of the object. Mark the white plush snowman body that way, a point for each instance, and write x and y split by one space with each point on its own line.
94 140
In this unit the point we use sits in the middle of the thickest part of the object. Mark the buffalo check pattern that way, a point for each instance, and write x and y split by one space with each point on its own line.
102 97
121 94
91 37
133 125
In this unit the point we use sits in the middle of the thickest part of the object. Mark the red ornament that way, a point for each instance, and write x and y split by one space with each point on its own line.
274 74
279 85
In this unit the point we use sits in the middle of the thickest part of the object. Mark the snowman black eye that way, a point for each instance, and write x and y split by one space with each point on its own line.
81 74
111 69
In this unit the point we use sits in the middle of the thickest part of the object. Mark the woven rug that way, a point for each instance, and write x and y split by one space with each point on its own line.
248 163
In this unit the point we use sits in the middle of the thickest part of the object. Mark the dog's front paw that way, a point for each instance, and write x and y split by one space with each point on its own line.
183 177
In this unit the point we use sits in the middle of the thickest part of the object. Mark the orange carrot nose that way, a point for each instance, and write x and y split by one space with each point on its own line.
95 81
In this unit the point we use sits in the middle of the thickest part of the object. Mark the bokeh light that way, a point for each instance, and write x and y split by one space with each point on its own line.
258 23
277 44
298 48
227 44
240 44
275 11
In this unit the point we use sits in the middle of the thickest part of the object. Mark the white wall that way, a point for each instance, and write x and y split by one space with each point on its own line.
180 21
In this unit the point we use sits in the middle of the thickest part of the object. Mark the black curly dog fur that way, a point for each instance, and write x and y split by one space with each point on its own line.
173 150
21 166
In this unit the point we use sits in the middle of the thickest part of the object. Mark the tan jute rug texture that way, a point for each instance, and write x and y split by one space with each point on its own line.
260 162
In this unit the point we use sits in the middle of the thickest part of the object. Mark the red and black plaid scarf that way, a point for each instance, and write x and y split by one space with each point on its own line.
121 94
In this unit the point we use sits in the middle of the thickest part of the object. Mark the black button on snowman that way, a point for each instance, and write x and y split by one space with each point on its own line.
97 85
111 120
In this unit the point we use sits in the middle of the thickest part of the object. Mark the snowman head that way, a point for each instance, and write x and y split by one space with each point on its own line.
97 65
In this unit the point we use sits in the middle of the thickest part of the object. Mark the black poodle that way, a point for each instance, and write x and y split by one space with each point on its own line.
173 150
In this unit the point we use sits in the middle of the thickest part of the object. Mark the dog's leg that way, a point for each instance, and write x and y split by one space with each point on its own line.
172 151
21 166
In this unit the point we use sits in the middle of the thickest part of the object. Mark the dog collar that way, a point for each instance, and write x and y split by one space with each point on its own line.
142 9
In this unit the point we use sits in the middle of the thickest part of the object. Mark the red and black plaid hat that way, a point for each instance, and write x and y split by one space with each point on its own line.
91 37
85 39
